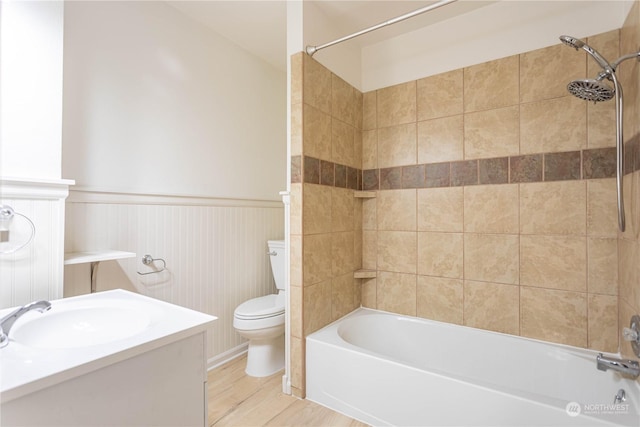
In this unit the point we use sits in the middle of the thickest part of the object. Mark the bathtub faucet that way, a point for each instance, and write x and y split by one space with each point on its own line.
624 366
7 321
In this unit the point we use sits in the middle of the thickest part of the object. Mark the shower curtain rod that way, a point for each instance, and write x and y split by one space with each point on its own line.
313 49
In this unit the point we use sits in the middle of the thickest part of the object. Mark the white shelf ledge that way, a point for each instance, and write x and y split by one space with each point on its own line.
365 274
97 256
364 194
94 259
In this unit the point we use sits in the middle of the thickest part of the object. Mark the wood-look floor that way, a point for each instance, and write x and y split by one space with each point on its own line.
236 399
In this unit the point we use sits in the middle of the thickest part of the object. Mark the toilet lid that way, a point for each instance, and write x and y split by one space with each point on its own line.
266 306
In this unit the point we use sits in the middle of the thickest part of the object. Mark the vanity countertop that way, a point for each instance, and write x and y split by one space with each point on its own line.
26 367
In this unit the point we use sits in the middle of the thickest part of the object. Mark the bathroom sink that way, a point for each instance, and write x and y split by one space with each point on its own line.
89 333
74 326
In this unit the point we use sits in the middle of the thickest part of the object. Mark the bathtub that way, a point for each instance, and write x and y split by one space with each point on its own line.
385 369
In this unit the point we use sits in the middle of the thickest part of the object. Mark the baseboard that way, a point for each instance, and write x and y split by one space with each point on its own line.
227 356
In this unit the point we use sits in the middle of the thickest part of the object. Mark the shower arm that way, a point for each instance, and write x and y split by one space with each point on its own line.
311 50
620 60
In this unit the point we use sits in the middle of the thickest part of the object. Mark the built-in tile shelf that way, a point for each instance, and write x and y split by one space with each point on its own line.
97 256
364 194
364 274
94 259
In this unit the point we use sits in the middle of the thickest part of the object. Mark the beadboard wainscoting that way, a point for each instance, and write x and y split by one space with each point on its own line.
215 252
35 271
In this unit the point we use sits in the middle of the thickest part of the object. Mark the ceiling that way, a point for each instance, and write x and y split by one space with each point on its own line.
260 26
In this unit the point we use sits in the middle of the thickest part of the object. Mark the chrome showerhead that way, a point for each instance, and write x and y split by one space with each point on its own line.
579 44
571 41
590 90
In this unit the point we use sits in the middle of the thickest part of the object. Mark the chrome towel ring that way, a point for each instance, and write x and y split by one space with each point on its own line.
7 215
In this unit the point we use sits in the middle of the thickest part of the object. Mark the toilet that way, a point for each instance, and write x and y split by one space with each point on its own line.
261 321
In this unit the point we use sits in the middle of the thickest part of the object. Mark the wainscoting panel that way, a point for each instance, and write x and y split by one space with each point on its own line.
215 251
35 271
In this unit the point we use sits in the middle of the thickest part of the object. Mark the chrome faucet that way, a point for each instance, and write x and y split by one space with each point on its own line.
624 366
6 323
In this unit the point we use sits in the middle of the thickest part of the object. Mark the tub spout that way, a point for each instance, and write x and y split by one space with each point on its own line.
7 321
624 366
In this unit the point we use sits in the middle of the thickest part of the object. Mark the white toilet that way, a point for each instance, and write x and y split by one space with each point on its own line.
261 321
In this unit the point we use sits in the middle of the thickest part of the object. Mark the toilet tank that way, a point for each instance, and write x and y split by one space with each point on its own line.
276 255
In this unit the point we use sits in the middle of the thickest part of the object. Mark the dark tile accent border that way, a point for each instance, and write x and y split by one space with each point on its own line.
296 169
413 176
632 155
438 175
562 166
341 176
635 149
370 179
527 168
599 163
544 167
352 178
494 171
311 170
629 159
464 173
391 178
316 171
327 175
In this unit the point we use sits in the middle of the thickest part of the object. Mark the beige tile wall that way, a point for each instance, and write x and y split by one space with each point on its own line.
541 260
326 221
629 241
531 259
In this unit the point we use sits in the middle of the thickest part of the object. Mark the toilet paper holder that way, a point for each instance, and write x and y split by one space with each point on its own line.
149 260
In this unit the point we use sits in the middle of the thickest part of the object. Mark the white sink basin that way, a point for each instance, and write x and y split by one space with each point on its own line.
79 326
88 333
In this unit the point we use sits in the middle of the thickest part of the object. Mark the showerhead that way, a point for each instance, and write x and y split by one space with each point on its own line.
579 44
571 41
590 90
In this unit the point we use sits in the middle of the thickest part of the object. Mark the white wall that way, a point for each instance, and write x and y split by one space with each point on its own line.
31 42
343 59
177 140
34 272
156 103
501 29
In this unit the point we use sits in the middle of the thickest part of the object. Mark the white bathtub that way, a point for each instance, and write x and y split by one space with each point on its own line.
386 369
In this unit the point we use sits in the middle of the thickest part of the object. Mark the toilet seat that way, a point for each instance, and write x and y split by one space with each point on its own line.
260 308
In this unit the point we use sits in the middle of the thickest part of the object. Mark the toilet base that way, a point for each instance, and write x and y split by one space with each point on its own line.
265 356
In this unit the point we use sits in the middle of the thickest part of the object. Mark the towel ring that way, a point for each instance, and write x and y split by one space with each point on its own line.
148 260
6 216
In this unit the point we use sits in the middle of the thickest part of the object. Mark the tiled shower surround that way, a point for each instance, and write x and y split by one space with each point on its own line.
326 220
511 226
495 201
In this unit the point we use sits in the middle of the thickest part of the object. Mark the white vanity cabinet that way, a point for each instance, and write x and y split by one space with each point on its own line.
159 382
